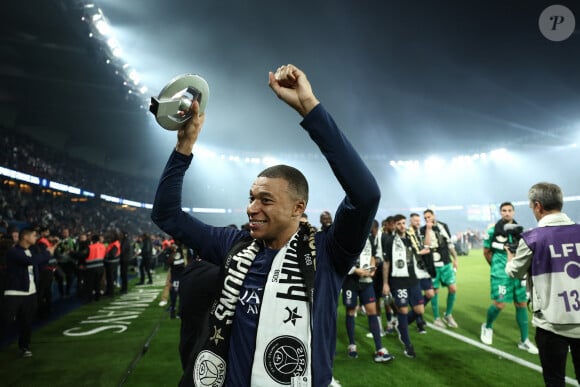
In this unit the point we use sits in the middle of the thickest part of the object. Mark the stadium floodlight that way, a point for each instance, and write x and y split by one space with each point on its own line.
134 76
117 52
112 43
103 27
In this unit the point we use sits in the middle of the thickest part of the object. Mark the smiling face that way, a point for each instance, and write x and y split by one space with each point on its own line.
274 211
416 222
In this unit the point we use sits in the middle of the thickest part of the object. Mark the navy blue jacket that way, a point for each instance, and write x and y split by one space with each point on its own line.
336 248
17 263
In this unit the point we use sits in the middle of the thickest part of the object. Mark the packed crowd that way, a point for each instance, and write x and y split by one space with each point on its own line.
24 154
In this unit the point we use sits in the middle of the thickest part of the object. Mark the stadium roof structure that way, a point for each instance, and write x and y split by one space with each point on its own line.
404 80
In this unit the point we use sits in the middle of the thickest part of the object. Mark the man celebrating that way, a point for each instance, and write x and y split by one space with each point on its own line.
549 256
274 319
503 288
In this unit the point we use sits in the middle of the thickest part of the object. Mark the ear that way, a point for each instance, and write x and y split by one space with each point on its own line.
299 208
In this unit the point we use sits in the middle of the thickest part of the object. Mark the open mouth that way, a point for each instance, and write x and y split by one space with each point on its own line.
256 223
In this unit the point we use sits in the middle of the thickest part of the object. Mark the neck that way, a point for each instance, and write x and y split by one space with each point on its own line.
278 243
544 213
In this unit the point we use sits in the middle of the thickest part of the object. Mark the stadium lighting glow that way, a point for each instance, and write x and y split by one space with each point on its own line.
134 76
109 198
112 43
117 52
103 27
19 176
209 210
434 163
269 161
100 28
132 203
498 154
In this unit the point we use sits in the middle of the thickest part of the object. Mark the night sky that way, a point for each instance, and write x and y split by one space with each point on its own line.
404 80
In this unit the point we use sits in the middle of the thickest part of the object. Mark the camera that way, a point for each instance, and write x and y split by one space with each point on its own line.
515 232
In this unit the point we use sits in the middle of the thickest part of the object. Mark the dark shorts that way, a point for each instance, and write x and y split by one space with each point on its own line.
407 296
426 283
378 280
352 291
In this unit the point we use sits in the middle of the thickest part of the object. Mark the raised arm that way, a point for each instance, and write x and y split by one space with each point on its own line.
355 214
167 214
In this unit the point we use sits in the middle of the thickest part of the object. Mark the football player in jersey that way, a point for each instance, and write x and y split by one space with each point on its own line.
424 269
358 285
400 280
504 289
445 262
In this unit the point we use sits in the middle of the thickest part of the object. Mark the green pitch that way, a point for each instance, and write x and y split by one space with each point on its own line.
130 341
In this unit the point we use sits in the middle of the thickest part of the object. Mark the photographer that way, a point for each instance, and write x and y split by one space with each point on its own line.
505 233
549 256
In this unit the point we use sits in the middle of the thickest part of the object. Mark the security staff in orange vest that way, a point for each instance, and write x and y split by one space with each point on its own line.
94 268
112 259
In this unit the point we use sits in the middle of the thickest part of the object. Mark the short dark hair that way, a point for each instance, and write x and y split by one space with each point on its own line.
428 211
413 214
296 180
398 217
506 204
549 195
25 232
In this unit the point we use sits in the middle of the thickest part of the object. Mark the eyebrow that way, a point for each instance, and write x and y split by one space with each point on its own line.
261 194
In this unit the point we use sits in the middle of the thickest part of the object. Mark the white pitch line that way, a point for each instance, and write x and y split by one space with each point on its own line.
495 351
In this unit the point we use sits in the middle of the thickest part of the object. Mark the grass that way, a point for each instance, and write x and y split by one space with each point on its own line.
145 353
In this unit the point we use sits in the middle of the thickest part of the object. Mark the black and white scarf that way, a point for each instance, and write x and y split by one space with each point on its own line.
284 335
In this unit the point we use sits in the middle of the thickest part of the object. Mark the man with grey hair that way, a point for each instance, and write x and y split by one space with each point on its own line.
550 256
